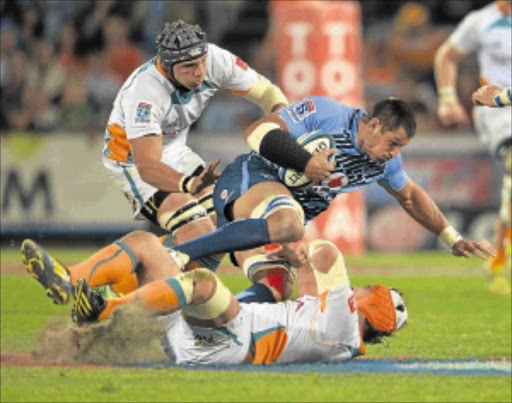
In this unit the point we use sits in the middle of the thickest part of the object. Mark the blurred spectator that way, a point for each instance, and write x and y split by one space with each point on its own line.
35 112
66 50
101 86
7 46
12 90
44 70
76 114
414 40
32 28
121 56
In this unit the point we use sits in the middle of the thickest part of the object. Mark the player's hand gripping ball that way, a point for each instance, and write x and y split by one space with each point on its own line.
312 142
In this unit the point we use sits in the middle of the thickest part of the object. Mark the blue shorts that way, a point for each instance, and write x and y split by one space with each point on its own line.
239 176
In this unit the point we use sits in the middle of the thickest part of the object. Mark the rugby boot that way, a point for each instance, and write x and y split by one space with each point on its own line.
50 273
88 304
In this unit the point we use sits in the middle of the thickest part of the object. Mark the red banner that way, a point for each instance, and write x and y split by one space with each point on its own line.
318 47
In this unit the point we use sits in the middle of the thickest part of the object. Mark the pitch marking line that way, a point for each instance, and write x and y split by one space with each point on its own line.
413 366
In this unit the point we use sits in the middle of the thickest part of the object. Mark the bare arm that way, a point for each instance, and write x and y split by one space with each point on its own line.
420 206
446 61
147 154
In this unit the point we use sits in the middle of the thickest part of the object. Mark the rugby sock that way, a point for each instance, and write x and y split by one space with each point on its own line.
114 263
158 296
233 236
210 262
256 293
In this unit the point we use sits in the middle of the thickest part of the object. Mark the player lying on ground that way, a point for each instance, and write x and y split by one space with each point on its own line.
253 196
330 321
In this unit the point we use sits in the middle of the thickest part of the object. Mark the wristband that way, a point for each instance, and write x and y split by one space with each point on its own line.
450 236
503 98
256 136
185 183
447 94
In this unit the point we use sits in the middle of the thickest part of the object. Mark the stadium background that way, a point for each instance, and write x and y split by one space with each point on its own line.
62 63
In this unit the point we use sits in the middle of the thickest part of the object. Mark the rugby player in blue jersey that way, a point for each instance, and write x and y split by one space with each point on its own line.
254 206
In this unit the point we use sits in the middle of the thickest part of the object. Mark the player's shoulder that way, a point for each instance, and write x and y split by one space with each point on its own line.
483 15
147 79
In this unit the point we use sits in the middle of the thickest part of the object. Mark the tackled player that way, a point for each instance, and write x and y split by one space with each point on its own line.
329 322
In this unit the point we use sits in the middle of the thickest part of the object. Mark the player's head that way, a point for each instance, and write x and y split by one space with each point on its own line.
182 52
383 311
388 127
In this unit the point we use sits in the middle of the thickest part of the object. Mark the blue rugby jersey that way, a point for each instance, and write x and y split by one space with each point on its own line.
340 121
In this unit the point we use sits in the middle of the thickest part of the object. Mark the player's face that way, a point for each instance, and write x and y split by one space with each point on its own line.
381 145
191 74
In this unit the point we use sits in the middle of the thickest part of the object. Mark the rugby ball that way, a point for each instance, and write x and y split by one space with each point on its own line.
312 142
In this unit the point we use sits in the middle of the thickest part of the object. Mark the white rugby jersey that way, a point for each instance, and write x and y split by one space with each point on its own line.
148 103
489 33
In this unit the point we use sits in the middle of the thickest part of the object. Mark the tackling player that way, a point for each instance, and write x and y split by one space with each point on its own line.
254 207
488 32
146 150
329 322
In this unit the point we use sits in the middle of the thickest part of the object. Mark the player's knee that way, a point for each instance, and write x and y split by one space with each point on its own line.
204 283
284 216
328 265
140 242
285 226
210 297
323 255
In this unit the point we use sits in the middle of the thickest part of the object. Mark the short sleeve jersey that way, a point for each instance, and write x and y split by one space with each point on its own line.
354 168
489 33
149 104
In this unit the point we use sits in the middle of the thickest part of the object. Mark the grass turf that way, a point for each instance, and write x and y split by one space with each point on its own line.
450 317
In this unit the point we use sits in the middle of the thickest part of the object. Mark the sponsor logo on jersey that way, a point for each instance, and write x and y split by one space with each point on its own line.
143 112
240 63
301 110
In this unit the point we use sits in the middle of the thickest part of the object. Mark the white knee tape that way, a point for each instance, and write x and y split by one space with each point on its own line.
172 220
216 305
274 203
260 262
506 191
337 274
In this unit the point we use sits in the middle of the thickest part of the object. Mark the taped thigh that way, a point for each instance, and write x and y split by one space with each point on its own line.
337 274
206 201
274 203
190 212
216 305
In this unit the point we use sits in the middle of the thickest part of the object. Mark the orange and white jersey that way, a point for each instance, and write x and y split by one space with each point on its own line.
309 329
488 32
148 103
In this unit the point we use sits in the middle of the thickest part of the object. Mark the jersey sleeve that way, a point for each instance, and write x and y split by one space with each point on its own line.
466 35
144 109
229 71
314 113
395 177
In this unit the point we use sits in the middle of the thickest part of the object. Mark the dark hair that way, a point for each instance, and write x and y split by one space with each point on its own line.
393 113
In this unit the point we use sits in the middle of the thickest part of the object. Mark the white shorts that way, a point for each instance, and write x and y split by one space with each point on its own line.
292 331
493 125
127 178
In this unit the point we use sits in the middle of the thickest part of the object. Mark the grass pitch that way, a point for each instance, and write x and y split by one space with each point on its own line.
450 317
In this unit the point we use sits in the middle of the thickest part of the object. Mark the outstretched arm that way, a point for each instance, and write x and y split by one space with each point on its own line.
420 206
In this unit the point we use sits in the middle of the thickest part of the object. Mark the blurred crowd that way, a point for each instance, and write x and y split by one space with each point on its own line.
62 62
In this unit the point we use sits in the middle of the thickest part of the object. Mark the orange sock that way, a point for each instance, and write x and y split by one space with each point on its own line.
157 296
111 264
